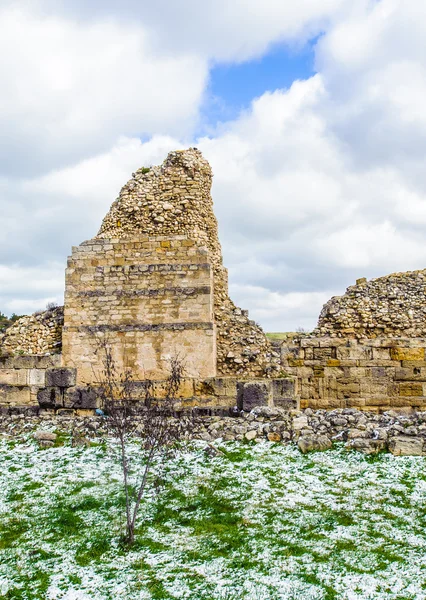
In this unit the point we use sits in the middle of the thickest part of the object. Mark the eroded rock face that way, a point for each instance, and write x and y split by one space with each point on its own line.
174 199
394 305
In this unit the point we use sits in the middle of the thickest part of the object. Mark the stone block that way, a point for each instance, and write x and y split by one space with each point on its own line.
253 393
407 353
45 436
284 393
333 362
406 446
347 388
62 377
311 443
324 353
81 398
217 387
354 353
50 397
15 395
37 377
410 389
366 446
17 377
381 354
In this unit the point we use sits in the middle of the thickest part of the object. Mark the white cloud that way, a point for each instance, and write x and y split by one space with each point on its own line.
314 186
218 30
70 88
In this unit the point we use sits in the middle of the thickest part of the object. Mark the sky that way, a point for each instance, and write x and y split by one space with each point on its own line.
312 115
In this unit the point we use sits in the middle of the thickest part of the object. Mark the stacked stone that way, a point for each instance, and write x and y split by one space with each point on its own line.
40 333
400 434
174 199
387 306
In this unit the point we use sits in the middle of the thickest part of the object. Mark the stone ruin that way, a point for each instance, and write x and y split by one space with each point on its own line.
153 285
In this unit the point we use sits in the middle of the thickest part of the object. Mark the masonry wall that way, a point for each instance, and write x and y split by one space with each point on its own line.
40 333
391 306
21 378
174 199
149 298
370 374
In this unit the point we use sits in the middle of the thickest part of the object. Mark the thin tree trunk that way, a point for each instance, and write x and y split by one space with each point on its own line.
140 492
126 484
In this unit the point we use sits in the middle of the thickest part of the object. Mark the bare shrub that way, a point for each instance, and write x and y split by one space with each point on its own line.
153 422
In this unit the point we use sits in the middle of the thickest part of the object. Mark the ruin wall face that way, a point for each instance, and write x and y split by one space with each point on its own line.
148 298
40 333
173 200
371 374
394 305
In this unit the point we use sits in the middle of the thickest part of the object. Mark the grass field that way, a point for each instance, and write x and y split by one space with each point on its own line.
257 522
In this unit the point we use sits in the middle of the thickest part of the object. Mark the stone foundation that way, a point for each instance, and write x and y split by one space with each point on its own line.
371 374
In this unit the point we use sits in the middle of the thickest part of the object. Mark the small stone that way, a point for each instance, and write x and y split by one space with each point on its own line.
251 435
274 436
45 436
310 443
406 446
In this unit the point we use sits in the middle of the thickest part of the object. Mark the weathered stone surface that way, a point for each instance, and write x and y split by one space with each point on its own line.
81 398
62 377
310 443
45 436
40 333
252 394
366 446
386 306
406 446
174 200
50 397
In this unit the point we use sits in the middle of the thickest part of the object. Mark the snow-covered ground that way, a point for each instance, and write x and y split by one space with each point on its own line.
258 521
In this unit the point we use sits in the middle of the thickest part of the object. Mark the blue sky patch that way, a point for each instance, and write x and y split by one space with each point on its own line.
232 87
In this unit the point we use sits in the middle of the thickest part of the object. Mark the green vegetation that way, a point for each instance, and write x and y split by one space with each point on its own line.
256 521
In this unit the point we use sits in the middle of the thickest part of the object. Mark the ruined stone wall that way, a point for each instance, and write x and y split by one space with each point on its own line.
371 374
174 199
40 333
387 306
150 298
21 378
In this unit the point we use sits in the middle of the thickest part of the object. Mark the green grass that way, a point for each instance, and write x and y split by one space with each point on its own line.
248 523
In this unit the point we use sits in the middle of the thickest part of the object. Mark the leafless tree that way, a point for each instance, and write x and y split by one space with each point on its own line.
133 413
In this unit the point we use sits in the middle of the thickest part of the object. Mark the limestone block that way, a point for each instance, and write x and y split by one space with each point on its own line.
14 395
410 389
381 354
324 353
311 443
45 436
300 423
357 352
50 397
366 446
253 393
406 446
14 376
347 388
374 387
81 398
355 403
37 377
61 377
407 353
284 393
216 386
